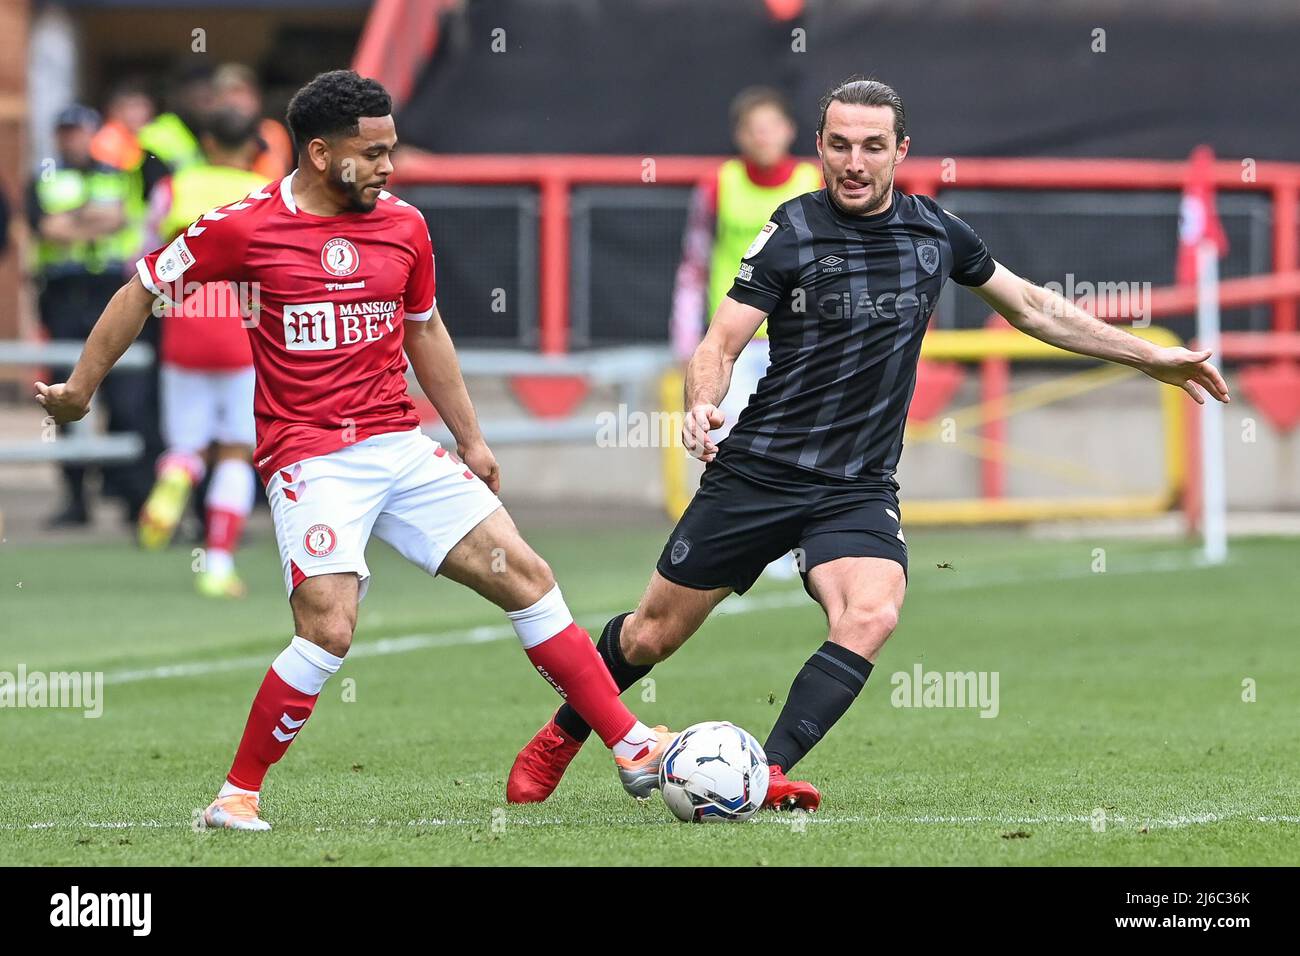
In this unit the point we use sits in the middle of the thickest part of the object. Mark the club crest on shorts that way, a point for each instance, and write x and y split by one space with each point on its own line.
339 257
927 253
319 541
681 548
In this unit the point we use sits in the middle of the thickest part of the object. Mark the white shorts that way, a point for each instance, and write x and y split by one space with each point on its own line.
202 407
403 486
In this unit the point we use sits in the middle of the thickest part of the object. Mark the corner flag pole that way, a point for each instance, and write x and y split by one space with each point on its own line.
1213 491
1201 241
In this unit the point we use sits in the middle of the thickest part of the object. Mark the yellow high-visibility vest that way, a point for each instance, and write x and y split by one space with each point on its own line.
743 209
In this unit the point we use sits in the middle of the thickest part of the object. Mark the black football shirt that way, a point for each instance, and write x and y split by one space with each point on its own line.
848 299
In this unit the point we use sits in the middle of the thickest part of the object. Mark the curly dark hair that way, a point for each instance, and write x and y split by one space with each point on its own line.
332 103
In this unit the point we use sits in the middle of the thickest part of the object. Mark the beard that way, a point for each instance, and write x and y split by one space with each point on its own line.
871 204
354 196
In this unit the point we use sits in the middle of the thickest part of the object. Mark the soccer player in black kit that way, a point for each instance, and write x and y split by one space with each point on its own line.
847 278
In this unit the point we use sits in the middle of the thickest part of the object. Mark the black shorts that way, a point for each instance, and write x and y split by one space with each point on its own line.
749 511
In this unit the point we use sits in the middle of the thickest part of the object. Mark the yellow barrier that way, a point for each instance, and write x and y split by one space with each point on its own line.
976 345
677 494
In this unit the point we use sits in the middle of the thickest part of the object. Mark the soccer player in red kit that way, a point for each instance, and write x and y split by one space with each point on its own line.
343 275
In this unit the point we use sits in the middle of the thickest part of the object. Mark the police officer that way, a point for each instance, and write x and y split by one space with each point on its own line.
77 208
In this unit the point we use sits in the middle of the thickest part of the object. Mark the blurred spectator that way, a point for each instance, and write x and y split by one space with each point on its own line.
4 220
726 215
237 88
128 110
83 241
171 141
117 143
207 366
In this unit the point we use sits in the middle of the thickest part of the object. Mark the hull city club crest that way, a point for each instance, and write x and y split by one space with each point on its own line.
927 253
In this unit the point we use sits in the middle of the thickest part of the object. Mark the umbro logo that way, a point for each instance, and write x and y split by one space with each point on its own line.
831 261
810 728
831 264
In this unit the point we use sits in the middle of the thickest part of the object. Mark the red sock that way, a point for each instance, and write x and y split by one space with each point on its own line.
224 529
570 662
278 713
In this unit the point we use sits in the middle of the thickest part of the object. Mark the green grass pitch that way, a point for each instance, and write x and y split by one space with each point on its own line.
1120 698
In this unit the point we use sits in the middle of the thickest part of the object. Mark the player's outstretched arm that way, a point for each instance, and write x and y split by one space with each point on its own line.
117 327
709 373
433 359
1053 319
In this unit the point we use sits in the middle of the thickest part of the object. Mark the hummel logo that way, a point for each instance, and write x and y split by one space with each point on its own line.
291 724
831 261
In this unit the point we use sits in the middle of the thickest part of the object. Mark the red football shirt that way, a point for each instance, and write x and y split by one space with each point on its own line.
331 293
205 333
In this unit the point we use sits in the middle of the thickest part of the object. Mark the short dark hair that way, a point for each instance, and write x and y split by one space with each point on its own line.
860 91
333 103
751 98
230 128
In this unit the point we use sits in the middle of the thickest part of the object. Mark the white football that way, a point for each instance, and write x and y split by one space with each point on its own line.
714 771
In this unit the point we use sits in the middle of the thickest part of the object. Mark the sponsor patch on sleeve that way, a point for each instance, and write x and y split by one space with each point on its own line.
760 240
174 260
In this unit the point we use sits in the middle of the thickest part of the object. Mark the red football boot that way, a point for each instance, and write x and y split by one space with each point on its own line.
540 765
784 794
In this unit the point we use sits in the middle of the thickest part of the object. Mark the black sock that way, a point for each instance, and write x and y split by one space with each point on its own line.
825 688
624 674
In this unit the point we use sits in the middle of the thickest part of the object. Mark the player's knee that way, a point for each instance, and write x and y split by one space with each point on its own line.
863 628
332 632
536 578
650 639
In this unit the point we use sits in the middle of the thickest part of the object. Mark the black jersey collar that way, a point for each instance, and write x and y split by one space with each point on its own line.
860 222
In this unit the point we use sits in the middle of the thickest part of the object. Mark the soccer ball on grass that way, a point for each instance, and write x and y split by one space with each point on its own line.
714 771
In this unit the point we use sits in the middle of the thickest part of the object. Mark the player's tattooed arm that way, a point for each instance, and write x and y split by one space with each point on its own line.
1055 320
433 359
709 373
118 326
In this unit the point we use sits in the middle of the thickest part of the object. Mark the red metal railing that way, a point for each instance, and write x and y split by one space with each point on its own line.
1270 384
556 175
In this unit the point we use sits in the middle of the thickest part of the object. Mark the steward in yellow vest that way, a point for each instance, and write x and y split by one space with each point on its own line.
83 242
728 211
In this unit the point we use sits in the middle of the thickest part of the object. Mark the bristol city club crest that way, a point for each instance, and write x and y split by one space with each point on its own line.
339 257
927 253
320 540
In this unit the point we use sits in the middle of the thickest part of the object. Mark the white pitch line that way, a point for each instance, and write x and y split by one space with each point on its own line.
384 646
736 604
1181 820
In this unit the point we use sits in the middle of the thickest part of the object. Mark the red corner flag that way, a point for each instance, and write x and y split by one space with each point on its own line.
1198 219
